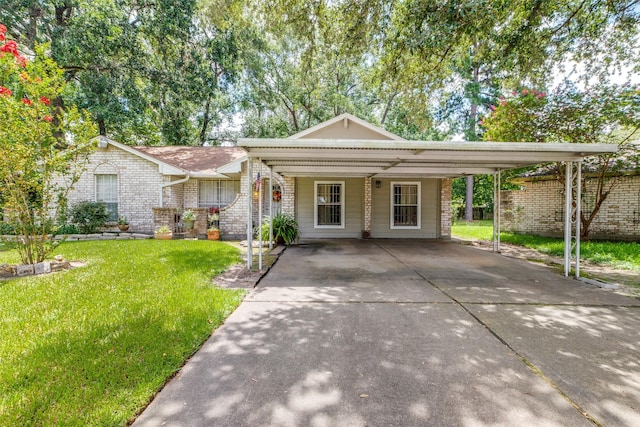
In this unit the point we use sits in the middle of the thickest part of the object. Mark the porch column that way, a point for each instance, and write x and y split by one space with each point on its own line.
573 190
249 213
367 206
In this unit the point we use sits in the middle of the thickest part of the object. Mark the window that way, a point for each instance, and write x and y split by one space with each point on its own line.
329 205
405 205
107 193
217 193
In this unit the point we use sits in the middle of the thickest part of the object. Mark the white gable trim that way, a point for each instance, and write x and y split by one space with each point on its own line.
347 118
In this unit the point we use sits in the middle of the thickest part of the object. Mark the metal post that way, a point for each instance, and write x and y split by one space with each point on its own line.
249 212
260 214
578 196
498 208
270 207
567 218
495 213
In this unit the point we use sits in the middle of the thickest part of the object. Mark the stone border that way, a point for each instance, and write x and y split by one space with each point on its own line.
95 236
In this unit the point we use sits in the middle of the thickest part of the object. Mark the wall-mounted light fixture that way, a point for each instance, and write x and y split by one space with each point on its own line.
378 183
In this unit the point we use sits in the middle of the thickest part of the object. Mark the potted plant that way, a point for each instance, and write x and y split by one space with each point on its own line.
189 219
285 229
163 233
123 223
213 233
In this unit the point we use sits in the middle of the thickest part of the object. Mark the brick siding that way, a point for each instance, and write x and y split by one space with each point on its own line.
539 209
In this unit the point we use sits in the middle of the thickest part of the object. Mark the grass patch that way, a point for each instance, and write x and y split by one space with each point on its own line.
90 346
621 255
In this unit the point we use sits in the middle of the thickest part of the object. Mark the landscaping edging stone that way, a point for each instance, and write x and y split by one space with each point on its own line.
8 271
95 236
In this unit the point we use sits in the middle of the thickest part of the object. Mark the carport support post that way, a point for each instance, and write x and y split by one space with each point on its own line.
260 214
270 207
573 190
249 212
497 184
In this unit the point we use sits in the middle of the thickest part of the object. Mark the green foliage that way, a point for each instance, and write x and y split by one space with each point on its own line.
6 229
43 148
67 229
88 216
93 345
604 114
285 229
623 255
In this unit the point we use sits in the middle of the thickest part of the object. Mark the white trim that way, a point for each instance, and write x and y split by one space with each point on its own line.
392 204
346 117
342 204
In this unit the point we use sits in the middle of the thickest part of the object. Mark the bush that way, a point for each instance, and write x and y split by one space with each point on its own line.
88 216
6 229
67 229
285 229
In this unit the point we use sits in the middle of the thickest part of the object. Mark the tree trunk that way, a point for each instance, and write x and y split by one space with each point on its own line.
468 201
471 136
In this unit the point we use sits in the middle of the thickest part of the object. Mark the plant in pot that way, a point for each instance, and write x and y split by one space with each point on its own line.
189 219
285 229
213 233
123 223
163 233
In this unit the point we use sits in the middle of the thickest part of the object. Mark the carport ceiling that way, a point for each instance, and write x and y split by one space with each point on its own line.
395 159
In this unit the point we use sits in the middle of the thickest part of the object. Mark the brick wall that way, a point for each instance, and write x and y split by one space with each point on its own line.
445 208
539 209
138 185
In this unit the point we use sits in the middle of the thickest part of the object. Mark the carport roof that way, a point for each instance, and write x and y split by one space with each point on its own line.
395 159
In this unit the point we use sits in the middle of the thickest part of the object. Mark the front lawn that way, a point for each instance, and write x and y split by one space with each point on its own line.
622 255
91 345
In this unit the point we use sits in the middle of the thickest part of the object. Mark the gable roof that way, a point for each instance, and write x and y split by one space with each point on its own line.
198 161
346 126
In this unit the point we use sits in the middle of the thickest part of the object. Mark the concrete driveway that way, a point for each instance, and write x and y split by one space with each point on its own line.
412 333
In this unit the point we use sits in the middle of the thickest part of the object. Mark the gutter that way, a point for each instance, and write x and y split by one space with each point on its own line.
169 184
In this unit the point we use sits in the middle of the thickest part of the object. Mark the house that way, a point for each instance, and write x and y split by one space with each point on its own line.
536 208
151 186
344 178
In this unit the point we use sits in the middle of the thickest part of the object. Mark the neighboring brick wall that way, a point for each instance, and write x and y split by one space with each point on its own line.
539 209
445 208
138 185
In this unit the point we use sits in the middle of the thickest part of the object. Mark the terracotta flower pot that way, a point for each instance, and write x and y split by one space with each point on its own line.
123 227
164 236
213 235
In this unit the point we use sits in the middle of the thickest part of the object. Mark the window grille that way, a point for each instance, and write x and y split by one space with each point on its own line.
405 201
329 204
107 193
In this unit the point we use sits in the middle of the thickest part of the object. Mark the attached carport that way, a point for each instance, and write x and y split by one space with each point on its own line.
366 158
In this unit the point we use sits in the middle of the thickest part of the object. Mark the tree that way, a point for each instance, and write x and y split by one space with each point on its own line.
604 114
42 148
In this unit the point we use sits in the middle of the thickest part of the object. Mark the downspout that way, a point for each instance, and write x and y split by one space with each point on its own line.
172 183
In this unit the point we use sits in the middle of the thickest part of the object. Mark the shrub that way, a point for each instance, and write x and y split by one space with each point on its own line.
67 229
6 229
88 216
285 229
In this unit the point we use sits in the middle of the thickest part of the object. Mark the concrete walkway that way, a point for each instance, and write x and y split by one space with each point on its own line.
412 333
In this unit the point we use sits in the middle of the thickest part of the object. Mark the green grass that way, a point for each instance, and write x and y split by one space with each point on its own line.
622 255
91 345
